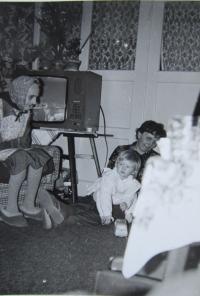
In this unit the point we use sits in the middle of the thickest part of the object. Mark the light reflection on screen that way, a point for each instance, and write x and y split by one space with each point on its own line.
52 100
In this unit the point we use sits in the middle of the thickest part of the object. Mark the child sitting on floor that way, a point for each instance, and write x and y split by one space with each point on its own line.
118 186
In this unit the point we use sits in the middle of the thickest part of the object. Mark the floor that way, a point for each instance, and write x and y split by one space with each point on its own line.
64 259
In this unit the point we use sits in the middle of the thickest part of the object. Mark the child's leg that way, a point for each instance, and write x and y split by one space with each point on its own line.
117 212
33 179
104 205
14 186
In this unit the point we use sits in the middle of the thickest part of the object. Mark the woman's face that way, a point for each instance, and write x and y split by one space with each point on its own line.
146 141
33 93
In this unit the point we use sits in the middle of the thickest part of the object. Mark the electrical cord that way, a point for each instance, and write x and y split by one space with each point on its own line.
104 132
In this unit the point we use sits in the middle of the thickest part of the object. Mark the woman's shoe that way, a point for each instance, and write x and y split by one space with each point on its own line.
17 220
47 224
49 203
36 215
55 214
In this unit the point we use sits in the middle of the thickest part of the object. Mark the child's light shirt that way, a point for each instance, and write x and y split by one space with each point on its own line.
111 189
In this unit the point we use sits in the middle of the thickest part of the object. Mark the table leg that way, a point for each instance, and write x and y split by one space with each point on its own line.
95 155
72 164
176 261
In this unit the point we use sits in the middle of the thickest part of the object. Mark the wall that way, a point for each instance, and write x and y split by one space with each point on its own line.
131 97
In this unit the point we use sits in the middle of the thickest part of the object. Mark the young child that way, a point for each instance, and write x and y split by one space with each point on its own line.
118 186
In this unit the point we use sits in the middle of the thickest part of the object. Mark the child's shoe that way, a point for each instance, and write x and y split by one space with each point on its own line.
121 228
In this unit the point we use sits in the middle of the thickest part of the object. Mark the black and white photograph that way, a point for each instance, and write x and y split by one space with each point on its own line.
100 147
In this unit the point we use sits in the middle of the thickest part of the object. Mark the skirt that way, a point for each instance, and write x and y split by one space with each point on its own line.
21 159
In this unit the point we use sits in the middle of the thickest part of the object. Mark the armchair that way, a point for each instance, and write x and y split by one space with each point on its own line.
47 181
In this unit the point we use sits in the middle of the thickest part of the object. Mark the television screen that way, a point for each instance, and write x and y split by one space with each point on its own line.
52 99
69 100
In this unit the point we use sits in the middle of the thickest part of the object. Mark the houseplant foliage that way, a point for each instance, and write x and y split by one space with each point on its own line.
16 34
60 24
60 36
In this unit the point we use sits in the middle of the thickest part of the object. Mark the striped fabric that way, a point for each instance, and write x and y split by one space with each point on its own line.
43 137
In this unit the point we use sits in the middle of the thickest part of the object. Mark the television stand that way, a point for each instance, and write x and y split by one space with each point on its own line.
70 135
72 158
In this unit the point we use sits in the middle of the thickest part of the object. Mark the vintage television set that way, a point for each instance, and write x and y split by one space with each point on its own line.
69 100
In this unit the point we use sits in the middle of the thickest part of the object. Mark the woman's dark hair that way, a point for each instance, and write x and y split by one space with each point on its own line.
152 127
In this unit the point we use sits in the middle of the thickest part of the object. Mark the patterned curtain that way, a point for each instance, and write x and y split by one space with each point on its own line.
16 34
181 37
114 35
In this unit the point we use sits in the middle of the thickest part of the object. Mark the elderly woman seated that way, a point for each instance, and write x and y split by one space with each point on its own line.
18 159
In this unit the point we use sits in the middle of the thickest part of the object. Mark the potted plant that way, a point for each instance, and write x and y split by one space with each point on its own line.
72 53
60 41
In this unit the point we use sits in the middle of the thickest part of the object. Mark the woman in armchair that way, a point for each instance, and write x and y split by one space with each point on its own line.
17 158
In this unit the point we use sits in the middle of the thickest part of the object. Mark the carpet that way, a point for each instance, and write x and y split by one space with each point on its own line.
61 260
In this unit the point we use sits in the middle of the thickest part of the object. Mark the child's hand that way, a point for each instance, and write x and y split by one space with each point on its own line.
105 220
123 206
129 218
